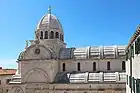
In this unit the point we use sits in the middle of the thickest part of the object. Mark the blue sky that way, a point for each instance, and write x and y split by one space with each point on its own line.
85 23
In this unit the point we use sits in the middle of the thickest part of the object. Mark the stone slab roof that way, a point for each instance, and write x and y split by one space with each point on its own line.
90 77
93 52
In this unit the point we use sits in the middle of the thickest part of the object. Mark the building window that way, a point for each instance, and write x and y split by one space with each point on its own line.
127 79
41 35
123 65
132 50
127 52
108 65
130 83
78 66
64 67
133 84
62 38
0 82
94 66
7 90
51 35
56 35
137 44
46 34
7 81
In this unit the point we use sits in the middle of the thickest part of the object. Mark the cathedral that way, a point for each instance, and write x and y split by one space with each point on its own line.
47 65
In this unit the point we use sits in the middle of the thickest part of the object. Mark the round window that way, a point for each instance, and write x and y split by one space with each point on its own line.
37 51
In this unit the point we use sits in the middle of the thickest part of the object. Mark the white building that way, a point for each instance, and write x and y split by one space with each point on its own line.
48 66
133 63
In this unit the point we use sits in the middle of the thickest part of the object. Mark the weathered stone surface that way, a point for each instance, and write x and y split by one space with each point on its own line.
41 62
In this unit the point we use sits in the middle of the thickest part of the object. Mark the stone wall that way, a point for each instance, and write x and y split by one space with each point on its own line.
87 65
49 67
69 88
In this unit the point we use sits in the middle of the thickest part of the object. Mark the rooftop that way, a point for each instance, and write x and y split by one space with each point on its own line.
7 71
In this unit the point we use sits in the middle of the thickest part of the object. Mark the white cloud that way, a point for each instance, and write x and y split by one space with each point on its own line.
8 63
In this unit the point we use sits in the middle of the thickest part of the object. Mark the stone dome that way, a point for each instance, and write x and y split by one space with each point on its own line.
50 21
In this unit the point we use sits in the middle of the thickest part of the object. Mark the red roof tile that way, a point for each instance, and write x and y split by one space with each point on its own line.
7 71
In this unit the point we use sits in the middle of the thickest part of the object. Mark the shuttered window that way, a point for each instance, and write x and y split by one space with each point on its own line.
127 79
130 83
137 44
133 84
138 86
127 55
132 50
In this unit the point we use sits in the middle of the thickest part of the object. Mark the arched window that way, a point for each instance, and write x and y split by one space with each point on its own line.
123 65
78 66
51 35
46 34
94 66
56 35
41 35
62 38
108 65
64 67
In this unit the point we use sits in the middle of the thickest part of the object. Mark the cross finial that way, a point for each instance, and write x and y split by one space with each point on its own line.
49 10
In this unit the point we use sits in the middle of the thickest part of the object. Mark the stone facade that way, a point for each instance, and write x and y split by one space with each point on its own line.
47 66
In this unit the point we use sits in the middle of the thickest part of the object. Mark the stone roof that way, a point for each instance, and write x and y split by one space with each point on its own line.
50 21
89 77
93 52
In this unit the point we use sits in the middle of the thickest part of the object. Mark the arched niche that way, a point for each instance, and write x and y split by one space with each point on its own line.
36 75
